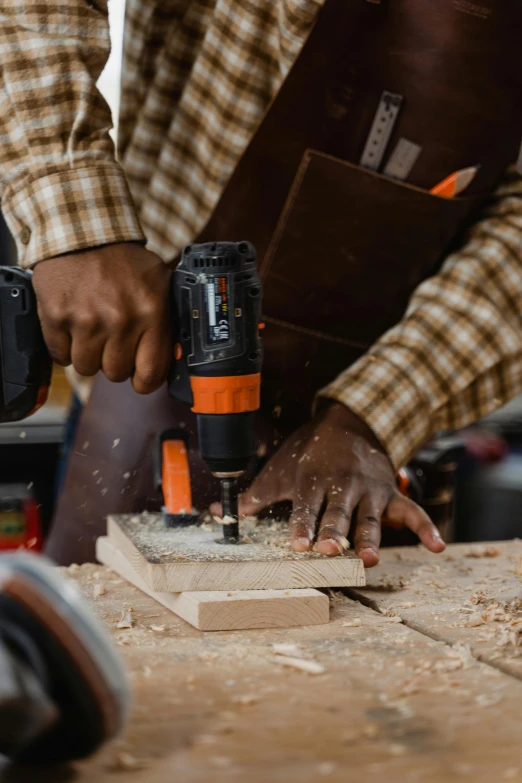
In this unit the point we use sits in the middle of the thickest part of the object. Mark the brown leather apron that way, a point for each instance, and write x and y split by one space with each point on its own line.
341 248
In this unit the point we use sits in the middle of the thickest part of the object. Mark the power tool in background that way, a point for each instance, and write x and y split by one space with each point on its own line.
25 364
430 478
217 371
20 520
25 377
63 691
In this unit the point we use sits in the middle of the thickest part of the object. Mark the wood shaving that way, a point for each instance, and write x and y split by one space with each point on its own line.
221 761
484 551
206 739
287 648
391 616
310 667
126 620
326 768
355 623
157 628
518 567
246 700
475 620
485 700
98 590
390 585
397 750
437 584
125 762
343 542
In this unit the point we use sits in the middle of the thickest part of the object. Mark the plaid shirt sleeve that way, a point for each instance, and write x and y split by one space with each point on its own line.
61 188
457 353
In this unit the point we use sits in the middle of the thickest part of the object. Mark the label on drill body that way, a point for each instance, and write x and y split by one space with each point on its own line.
218 310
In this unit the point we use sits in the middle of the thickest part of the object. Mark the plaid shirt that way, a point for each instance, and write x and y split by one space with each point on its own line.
198 76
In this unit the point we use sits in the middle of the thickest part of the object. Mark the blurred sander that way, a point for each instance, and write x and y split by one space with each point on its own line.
62 689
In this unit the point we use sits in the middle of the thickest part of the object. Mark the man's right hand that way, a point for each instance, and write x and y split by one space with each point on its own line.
108 309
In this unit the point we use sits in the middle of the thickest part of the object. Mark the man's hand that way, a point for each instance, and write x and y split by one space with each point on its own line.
108 308
336 463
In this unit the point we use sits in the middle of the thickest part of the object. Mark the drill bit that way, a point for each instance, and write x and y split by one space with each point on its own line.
230 510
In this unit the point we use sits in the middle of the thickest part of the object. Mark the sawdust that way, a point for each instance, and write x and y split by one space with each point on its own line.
261 541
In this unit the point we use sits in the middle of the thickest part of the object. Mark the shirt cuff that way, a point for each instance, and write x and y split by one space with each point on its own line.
385 397
71 210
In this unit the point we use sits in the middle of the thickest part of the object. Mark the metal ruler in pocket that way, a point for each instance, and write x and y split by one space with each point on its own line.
381 130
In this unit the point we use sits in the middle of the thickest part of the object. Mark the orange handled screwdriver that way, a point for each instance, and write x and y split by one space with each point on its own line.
456 183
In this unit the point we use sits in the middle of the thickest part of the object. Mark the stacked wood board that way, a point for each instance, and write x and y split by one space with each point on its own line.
260 583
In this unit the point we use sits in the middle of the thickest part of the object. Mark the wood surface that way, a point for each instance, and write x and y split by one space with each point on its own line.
393 705
470 594
179 560
227 611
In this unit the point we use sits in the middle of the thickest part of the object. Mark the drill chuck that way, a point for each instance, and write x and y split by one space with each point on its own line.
227 441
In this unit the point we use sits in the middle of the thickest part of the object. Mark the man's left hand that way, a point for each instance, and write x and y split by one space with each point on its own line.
338 477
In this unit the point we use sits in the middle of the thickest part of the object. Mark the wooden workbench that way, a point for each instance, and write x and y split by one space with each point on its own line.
435 698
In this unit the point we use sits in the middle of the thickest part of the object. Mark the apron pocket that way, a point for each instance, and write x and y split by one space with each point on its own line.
351 246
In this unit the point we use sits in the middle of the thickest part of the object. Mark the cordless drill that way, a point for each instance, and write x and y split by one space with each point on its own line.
25 364
218 358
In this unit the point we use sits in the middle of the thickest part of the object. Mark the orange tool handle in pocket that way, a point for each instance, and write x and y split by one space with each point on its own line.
177 492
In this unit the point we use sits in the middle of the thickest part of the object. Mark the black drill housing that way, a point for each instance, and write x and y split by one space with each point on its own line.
25 364
218 293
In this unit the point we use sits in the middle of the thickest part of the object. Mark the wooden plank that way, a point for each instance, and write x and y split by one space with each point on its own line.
191 559
392 705
471 594
227 611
